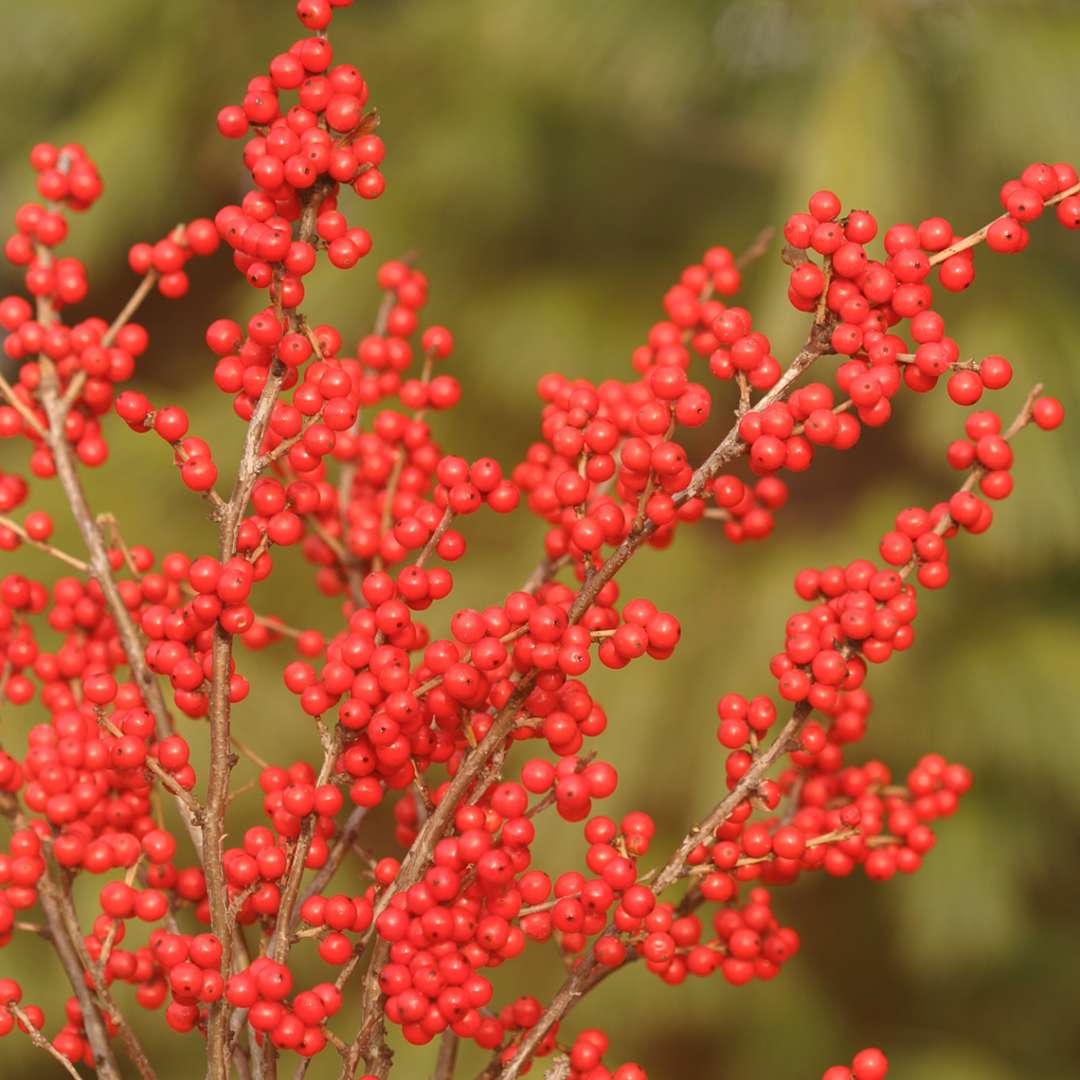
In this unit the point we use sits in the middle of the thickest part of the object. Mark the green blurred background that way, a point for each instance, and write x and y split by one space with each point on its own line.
555 165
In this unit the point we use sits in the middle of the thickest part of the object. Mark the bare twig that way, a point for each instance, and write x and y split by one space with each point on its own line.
559 1069
41 545
759 246
446 1062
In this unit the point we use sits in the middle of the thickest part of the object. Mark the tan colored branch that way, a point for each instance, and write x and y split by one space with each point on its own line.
222 757
40 1041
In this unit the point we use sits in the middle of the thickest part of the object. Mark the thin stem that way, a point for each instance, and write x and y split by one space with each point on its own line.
246 751
979 235
433 541
97 1036
22 409
759 246
142 291
559 1069
342 847
40 1041
446 1062
42 545
222 758
279 941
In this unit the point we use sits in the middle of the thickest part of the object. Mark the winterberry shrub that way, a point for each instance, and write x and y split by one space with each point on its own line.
479 741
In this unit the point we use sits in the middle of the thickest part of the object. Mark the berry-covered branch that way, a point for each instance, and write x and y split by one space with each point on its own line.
678 865
478 746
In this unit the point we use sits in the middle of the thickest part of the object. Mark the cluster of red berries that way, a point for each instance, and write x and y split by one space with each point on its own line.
11 994
89 358
987 451
747 508
893 821
166 259
21 867
289 797
65 174
586 1056
431 490
1025 199
621 436
297 159
344 465
38 229
295 1025
461 917
868 1064
740 351
178 608
193 455
863 614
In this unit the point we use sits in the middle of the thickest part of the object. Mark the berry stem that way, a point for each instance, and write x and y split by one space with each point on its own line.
278 946
348 468
342 846
21 408
979 235
446 1062
222 758
42 545
40 1041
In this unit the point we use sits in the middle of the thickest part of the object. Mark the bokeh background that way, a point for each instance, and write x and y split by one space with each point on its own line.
555 165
